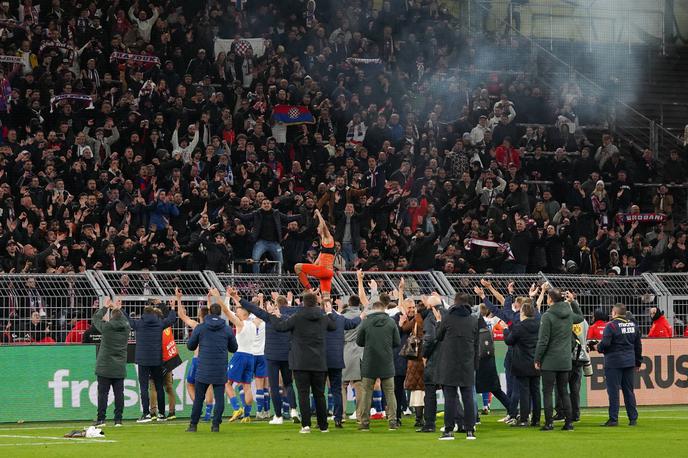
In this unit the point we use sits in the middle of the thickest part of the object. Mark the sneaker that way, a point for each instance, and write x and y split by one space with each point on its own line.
325 430
486 411
191 429
456 428
160 417
520 424
172 416
477 421
567 427
633 423
393 426
447 437
426 429
407 412
276 420
236 415
510 421
118 424
338 424
610 423
99 423
305 430
245 420
364 428
352 416
470 435
559 417
145 419
547 428
294 414
377 416
534 424
215 429
505 419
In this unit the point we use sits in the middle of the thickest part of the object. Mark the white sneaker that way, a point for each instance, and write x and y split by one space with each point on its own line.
407 412
373 411
276 420
505 419
352 416
456 428
305 430
294 414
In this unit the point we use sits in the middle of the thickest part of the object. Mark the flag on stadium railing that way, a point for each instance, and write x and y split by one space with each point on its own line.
640 217
170 354
291 114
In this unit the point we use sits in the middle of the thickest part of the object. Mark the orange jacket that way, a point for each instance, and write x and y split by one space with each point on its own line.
661 328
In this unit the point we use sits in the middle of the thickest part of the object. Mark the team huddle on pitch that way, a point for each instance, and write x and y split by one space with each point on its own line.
393 351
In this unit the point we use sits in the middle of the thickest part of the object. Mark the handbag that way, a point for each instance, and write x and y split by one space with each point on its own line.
411 349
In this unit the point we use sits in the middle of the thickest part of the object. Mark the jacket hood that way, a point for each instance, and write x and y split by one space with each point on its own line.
460 310
312 313
561 310
118 324
378 319
150 318
531 324
214 322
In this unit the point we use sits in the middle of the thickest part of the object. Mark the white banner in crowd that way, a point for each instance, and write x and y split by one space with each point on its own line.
225 45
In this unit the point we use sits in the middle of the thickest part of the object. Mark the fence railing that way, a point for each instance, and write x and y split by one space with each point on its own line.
57 308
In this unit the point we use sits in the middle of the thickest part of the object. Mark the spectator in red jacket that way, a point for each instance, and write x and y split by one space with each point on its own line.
660 325
600 321
507 154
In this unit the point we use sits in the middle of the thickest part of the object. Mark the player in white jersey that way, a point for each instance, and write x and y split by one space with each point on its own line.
260 368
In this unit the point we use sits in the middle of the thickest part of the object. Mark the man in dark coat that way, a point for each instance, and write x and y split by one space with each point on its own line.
378 335
553 353
148 356
111 362
277 346
308 356
335 361
458 334
214 340
431 356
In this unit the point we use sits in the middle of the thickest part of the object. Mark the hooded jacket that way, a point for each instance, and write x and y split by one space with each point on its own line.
553 349
149 337
215 340
458 334
660 326
335 339
111 361
308 329
378 335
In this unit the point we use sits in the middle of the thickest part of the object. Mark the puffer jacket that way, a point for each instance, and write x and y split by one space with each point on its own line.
214 340
149 337
553 349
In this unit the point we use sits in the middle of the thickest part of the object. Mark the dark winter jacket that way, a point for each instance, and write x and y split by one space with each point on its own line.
522 338
215 340
431 347
621 344
378 335
149 337
553 349
308 328
335 340
112 354
458 334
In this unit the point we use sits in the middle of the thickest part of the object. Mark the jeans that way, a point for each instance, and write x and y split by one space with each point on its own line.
623 379
145 374
529 392
104 384
335 378
400 394
349 254
307 381
274 370
430 405
219 392
549 380
363 402
274 249
451 403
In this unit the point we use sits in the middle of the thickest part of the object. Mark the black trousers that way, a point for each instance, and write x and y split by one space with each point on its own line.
312 381
153 372
104 384
451 404
575 380
400 395
560 379
529 394
430 401
621 379
219 392
335 378
275 368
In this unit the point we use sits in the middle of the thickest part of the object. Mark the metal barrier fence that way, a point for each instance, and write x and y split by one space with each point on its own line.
58 308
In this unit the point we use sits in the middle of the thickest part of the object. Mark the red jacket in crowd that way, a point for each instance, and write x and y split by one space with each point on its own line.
661 328
506 156
596 329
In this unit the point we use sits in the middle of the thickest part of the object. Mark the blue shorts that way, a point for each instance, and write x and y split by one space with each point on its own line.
191 375
240 368
260 366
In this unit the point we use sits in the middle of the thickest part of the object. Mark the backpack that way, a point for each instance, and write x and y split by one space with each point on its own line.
485 343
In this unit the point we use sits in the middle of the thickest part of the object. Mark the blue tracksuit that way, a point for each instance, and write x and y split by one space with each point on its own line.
622 351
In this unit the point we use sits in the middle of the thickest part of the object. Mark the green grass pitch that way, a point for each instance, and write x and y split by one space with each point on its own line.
661 432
